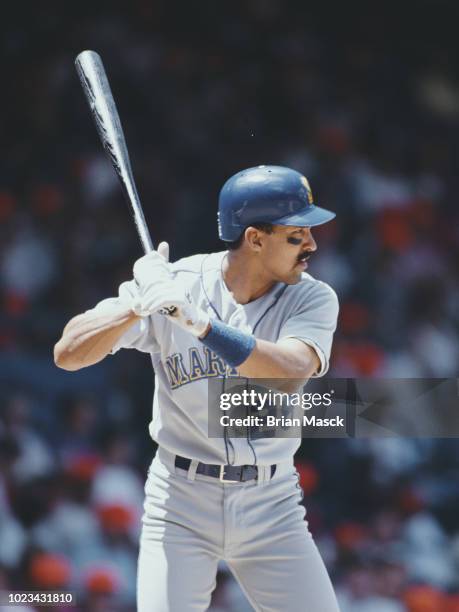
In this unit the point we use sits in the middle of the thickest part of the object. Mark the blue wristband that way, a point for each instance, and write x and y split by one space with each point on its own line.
231 344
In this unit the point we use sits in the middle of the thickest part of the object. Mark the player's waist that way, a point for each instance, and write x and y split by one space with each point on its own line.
221 472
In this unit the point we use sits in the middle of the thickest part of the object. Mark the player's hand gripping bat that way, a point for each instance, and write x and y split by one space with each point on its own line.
103 108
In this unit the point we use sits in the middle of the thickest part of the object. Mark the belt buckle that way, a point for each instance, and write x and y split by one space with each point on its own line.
222 475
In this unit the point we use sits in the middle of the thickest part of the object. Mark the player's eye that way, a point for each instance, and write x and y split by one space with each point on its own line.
294 240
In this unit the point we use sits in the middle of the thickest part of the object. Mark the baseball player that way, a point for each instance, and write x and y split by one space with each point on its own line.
250 311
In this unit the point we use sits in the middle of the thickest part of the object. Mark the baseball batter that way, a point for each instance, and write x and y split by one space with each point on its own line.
251 310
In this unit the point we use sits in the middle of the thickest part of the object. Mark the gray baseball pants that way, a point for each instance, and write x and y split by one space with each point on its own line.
192 521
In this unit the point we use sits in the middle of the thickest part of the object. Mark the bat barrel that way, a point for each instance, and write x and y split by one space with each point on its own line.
103 109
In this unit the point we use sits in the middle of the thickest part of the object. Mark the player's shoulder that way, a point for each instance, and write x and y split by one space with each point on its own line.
310 288
309 283
197 264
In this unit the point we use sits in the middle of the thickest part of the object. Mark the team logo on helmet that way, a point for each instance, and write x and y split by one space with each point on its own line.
304 180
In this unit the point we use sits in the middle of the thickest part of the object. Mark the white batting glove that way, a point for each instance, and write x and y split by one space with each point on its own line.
150 273
152 268
169 299
182 311
158 292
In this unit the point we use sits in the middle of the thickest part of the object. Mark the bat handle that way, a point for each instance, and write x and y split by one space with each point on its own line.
139 218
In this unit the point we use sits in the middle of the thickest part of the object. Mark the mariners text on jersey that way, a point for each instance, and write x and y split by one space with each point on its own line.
182 368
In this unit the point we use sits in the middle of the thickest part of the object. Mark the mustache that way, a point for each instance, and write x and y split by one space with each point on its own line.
304 256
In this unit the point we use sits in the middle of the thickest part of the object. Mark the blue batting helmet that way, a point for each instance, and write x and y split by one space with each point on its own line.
270 194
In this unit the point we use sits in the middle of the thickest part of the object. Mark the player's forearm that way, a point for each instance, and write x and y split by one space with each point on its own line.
289 358
89 337
271 360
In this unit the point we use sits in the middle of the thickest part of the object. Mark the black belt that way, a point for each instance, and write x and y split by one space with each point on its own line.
225 473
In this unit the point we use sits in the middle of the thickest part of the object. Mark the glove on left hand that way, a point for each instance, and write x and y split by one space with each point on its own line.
159 292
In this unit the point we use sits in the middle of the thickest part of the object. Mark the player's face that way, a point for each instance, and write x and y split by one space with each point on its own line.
286 251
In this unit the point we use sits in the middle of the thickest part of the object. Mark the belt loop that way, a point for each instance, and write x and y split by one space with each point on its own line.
267 472
262 473
191 474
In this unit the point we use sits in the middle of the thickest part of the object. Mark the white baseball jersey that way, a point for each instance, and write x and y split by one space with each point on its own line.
182 364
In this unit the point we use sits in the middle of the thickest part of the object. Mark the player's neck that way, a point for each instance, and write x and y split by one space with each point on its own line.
243 278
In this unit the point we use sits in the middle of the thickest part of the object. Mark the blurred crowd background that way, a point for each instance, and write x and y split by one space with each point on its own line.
364 100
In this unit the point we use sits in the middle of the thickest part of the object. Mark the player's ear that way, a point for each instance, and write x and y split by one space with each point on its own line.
253 238
163 250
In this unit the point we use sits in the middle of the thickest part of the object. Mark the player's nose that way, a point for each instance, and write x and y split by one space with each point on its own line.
309 243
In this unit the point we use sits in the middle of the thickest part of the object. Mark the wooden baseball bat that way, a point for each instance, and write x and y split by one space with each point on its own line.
103 108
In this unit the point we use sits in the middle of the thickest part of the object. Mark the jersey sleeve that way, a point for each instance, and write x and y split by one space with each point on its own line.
140 335
314 323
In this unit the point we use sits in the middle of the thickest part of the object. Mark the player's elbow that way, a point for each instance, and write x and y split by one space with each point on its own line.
298 371
309 365
64 359
300 361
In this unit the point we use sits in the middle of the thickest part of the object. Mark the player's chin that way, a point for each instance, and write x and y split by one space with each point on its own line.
294 277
